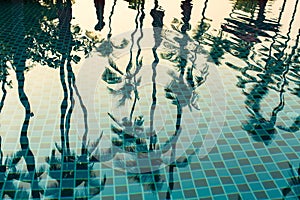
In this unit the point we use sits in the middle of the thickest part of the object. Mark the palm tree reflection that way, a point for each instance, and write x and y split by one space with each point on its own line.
257 126
130 81
14 182
24 141
111 76
130 135
73 175
174 89
19 61
107 46
3 79
152 179
134 4
293 76
203 26
157 14
39 38
183 88
293 190
17 18
127 128
3 73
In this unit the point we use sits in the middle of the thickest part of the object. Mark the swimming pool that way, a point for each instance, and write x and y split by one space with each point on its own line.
149 100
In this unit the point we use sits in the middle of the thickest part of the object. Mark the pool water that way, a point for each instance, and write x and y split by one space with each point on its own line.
129 99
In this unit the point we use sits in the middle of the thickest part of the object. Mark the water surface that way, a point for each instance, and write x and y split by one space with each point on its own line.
149 100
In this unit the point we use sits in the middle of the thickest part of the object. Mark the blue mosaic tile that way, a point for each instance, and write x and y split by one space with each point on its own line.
71 70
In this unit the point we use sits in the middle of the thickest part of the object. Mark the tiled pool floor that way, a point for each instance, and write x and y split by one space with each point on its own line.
149 100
